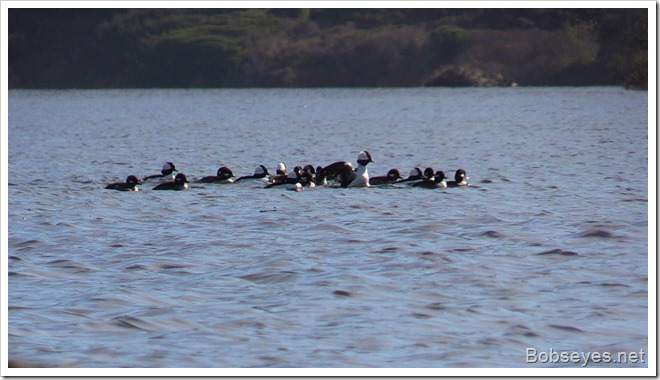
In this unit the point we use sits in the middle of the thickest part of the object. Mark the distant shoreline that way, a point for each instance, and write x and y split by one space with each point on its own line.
319 48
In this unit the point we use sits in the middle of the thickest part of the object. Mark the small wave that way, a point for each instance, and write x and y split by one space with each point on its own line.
430 255
137 267
171 266
112 301
437 306
80 312
67 225
19 308
28 243
73 266
559 252
643 200
492 234
389 249
329 227
421 316
462 250
566 328
270 278
610 284
132 322
25 249
597 234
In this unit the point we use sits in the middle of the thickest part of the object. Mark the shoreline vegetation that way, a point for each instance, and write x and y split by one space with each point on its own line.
211 48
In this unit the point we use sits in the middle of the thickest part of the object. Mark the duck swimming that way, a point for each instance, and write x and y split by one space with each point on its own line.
259 173
460 179
393 175
180 183
130 184
349 177
438 181
167 172
224 175
415 174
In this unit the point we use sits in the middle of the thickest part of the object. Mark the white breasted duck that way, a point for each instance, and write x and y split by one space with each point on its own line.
259 173
460 179
415 175
349 177
166 173
280 174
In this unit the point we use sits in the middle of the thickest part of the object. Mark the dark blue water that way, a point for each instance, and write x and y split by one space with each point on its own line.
549 249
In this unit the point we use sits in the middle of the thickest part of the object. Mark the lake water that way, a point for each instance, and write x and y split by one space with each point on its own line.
549 249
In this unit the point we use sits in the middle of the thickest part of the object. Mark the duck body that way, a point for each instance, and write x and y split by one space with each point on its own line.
166 173
415 174
180 183
392 177
438 181
306 180
280 174
130 184
349 177
224 175
460 179
290 178
259 173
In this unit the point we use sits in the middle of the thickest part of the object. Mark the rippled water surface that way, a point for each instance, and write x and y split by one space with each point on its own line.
547 251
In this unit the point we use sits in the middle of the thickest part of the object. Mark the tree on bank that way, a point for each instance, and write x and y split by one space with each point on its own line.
128 48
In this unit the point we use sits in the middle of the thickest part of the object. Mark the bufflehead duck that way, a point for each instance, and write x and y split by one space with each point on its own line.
349 177
224 175
281 168
460 179
309 169
280 174
437 182
167 172
318 178
291 178
306 180
392 176
332 171
428 173
130 184
259 173
414 175
180 183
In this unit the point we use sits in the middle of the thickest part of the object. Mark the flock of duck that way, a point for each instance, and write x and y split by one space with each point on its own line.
338 174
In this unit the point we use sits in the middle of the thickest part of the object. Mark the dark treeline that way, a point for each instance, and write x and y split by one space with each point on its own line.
126 48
